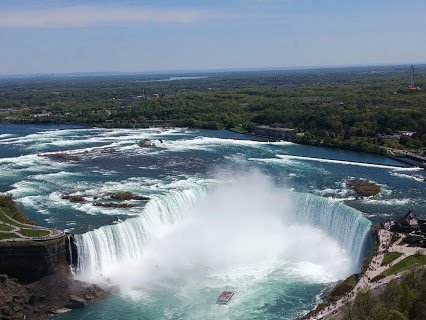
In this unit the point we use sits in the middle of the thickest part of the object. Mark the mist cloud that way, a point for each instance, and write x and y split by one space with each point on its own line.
244 226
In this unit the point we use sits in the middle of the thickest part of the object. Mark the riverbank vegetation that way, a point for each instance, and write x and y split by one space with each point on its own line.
401 299
354 108
9 206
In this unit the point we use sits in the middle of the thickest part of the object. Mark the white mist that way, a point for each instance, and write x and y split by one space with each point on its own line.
243 228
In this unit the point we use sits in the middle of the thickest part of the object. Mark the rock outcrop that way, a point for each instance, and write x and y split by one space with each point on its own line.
49 295
61 156
364 188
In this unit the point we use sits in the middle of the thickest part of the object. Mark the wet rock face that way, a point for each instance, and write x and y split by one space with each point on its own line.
49 295
76 302
28 262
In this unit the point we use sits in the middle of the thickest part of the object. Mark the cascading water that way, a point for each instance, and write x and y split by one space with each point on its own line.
343 223
70 256
110 244
125 242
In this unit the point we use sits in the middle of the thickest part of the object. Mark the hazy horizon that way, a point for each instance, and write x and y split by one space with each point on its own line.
188 72
73 36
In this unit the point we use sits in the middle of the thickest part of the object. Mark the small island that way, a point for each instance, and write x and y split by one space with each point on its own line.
119 199
125 195
73 197
112 204
364 188
60 156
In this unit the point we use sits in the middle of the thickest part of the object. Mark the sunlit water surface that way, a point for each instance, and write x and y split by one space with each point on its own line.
226 213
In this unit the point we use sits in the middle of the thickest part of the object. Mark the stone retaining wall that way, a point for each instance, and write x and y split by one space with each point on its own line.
30 261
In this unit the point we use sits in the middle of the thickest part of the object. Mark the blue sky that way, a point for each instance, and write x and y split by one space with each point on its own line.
135 36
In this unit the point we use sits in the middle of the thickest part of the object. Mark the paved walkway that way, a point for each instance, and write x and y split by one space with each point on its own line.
335 310
18 226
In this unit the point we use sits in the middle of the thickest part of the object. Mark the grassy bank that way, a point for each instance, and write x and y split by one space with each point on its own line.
390 256
406 264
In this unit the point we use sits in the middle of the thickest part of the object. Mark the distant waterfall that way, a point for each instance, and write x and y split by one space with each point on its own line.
110 244
343 223
124 241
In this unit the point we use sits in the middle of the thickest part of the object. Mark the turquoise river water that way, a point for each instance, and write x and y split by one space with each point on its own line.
275 222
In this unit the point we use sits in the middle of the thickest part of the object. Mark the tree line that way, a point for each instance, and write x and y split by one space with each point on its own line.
343 108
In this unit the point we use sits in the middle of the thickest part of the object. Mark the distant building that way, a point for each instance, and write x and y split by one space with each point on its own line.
414 228
406 133
407 224
396 135
275 131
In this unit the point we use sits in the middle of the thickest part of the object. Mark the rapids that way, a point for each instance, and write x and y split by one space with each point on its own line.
274 222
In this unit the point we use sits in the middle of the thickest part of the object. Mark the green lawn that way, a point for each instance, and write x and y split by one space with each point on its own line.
6 219
5 227
406 264
9 210
6 235
34 233
390 256
342 288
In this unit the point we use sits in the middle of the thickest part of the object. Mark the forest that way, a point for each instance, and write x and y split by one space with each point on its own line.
399 300
358 108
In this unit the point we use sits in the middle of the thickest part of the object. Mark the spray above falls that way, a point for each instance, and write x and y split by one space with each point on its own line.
242 223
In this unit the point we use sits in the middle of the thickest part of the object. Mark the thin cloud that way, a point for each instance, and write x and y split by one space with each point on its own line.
82 16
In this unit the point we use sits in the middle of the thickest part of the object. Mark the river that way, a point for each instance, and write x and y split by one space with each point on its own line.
274 222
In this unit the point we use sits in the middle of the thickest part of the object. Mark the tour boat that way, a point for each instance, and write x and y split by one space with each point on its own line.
224 297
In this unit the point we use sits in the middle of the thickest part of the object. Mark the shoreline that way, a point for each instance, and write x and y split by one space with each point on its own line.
407 163
251 136
320 158
370 277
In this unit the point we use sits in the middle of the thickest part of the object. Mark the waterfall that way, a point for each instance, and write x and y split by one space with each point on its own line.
71 250
124 241
109 245
70 256
343 223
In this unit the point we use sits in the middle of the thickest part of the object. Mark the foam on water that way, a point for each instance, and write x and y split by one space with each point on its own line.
388 202
353 163
209 143
86 140
172 249
418 178
290 164
242 233
6 135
